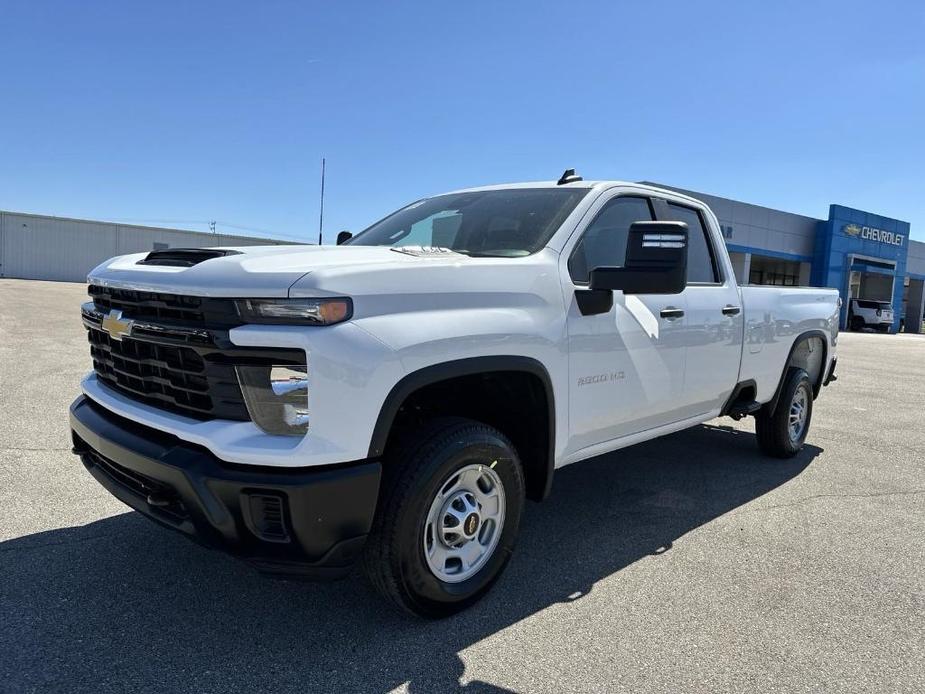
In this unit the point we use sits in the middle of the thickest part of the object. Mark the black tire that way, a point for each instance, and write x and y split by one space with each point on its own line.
857 324
414 471
773 428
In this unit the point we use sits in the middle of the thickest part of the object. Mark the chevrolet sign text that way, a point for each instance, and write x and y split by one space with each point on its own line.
872 234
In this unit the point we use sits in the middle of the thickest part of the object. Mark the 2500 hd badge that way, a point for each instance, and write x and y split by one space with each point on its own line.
601 378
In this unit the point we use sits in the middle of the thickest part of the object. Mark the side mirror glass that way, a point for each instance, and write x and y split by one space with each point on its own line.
343 237
656 261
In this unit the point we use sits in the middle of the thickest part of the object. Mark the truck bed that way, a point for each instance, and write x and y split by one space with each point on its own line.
774 318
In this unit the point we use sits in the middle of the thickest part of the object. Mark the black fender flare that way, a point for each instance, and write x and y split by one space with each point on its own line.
802 337
466 367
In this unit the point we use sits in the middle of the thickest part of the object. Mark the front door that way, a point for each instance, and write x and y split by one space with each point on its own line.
626 365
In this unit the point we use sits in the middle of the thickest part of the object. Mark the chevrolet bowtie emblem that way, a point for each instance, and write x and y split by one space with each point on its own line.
851 229
115 326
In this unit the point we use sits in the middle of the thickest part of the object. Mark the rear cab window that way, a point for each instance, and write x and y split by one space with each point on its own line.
702 266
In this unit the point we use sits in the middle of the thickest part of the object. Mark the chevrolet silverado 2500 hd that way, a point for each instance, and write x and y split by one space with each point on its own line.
396 398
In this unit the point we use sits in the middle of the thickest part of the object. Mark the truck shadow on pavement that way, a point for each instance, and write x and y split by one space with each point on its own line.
121 604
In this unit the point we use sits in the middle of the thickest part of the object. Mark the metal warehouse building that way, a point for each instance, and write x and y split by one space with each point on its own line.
40 247
862 254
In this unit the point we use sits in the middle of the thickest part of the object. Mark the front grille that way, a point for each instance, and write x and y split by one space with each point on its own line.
175 309
176 355
171 377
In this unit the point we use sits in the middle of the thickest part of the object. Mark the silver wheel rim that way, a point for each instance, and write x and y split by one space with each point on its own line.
464 523
797 421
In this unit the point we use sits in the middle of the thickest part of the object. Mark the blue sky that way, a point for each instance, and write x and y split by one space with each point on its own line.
181 112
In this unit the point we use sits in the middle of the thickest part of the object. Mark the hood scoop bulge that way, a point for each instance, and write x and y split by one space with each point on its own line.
184 257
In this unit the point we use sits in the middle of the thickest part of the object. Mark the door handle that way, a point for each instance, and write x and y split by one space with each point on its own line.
730 310
671 313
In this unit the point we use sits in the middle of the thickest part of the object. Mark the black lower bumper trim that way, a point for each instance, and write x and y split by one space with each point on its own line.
304 522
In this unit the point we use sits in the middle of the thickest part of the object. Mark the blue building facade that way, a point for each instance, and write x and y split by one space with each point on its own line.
854 241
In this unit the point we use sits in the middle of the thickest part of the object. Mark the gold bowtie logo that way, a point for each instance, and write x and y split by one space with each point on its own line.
115 326
851 229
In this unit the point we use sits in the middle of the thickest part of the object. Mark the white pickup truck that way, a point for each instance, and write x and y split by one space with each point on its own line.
864 313
396 398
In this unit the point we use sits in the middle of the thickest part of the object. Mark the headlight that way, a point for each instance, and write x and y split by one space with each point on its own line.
295 311
276 397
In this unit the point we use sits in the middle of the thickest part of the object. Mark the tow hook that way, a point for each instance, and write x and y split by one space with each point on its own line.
158 500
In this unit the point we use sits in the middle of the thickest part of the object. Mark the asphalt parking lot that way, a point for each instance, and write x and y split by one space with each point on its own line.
689 563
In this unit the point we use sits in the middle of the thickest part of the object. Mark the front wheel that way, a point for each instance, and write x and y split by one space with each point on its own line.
447 517
781 433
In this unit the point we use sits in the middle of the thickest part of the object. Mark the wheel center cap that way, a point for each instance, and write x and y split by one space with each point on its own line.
471 524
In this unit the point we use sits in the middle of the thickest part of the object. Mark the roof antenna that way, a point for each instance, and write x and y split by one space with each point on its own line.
569 177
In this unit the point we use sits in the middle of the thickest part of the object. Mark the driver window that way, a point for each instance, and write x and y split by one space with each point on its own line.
604 241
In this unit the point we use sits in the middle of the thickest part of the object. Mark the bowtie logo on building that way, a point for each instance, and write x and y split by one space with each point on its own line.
852 229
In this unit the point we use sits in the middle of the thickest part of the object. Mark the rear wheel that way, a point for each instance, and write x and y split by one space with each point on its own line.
781 433
447 517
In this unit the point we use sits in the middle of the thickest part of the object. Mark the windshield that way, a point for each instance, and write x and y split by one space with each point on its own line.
510 222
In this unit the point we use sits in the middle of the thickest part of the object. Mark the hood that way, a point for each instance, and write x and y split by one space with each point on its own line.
379 279
418 281
252 271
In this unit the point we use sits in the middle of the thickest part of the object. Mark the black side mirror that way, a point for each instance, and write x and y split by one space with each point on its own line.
656 261
343 237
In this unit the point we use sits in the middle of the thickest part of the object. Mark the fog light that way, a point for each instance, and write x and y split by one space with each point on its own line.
276 397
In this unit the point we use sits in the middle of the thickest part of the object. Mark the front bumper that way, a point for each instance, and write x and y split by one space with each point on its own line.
308 523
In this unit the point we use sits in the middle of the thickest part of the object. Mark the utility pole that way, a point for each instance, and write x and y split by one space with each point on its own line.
212 226
321 215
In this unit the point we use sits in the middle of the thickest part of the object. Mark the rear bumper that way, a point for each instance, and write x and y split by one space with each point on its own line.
303 522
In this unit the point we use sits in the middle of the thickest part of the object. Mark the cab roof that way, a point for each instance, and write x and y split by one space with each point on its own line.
588 185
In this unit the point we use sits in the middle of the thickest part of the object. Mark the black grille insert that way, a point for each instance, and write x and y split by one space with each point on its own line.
176 309
171 377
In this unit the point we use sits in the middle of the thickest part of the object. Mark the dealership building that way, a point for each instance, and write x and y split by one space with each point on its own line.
862 254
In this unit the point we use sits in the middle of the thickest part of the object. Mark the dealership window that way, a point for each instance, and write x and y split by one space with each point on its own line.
774 271
160 246
781 279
